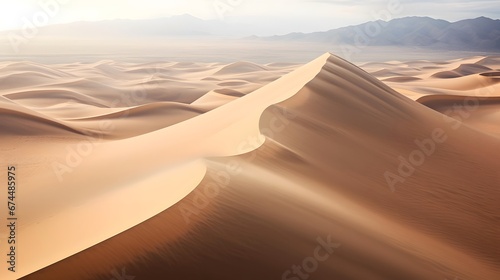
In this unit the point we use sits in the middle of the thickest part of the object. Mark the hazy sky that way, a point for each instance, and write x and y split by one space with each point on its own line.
266 16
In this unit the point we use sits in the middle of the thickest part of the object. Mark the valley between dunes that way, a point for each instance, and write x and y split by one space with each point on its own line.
235 171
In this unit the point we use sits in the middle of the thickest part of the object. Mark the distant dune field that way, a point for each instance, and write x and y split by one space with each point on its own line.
197 170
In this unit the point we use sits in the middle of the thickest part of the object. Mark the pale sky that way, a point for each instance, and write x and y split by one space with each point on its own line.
267 17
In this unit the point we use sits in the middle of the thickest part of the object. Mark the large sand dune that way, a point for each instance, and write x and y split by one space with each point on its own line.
211 171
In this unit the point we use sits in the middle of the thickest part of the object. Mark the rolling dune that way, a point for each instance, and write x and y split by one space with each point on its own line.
324 173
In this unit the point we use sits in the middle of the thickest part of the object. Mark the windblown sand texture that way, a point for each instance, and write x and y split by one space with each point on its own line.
212 171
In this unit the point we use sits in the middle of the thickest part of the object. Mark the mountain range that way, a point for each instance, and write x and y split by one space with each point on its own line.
471 34
479 34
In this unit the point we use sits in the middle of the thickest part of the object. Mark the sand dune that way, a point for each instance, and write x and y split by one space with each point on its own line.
465 77
494 74
490 61
239 67
462 70
35 98
246 181
484 113
402 79
217 98
141 119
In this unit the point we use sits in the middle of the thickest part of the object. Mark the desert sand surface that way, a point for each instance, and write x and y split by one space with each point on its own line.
196 170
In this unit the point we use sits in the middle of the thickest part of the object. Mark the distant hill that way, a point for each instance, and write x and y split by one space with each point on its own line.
471 34
175 26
